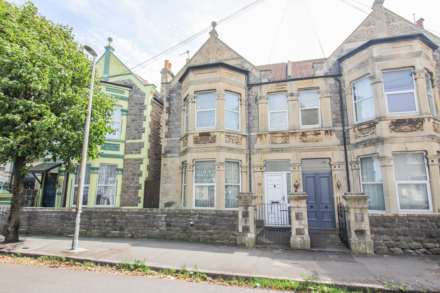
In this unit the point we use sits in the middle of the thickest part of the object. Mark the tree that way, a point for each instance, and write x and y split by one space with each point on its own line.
44 78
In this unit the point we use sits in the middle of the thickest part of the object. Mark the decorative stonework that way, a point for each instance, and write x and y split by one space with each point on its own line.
204 138
311 136
407 125
185 141
365 129
233 139
436 127
279 138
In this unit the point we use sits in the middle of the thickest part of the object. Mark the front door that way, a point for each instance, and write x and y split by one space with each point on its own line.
276 212
49 190
320 205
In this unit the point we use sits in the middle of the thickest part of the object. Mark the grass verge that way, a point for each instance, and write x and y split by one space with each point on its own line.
140 268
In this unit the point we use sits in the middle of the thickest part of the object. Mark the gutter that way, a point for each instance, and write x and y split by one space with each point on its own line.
295 79
249 133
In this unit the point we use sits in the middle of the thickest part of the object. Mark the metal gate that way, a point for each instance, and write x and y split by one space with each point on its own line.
273 224
342 220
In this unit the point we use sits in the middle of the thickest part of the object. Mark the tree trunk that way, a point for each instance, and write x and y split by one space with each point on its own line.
11 228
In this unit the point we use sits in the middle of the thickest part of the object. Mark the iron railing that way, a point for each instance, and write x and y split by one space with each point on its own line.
342 220
274 214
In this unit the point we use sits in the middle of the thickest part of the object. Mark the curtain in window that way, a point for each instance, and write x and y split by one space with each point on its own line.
363 100
232 183
232 111
412 181
204 184
278 117
205 107
106 192
372 183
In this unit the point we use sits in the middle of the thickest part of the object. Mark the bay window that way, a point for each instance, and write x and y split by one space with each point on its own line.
232 183
430 94
310 115
232 111
399 90
363 100
185 115
116 125
85 188
204 184
278 111
106 191
412 181
372 182
205 110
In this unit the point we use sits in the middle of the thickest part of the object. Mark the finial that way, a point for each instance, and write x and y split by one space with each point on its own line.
213 31
378 3
109 45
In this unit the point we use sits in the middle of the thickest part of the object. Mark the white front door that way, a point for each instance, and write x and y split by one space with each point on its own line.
276 208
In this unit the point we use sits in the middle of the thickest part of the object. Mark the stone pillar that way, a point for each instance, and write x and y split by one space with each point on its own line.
299 238
293 110
434 177
246 219
358 223
389 186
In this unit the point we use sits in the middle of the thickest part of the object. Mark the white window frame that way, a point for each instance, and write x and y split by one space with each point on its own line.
185 115
372 182
107 185
238 112
204 184
206 110
356 120
75 185
430 94
279 111
239 180
427 182
184 184
116 136
414 91
309 108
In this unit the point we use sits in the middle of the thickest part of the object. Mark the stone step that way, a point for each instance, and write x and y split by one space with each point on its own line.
327 240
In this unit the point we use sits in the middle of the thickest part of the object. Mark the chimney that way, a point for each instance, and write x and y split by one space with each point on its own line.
378 4
419 23
166 74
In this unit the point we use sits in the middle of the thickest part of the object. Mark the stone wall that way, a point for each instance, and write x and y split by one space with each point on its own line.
211 226
409 234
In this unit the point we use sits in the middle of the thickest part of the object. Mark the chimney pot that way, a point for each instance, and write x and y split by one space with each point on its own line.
420 23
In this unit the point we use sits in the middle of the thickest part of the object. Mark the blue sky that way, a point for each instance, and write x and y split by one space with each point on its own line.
270 31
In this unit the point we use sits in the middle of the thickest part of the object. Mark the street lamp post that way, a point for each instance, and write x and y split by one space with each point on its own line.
85 147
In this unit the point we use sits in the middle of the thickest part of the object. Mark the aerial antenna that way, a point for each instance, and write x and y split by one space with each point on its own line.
187 55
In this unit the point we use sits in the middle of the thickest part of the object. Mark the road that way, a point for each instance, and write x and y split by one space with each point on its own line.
26 278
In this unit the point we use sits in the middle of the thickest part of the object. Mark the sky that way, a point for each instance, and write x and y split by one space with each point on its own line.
269 31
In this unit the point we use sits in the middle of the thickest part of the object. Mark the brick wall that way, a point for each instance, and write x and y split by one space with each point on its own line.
211 226
410 234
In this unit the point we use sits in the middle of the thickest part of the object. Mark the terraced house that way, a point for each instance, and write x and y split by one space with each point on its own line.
365 119
127 171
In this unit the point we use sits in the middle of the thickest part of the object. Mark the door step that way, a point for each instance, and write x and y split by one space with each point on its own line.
327 240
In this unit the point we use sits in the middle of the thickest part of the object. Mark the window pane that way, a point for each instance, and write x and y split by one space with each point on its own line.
106 191
277 166
310 117
278 121
429 91
116 125
410 167
232 173
231 120
205 172
309 99
206 101
375 196
401 80
277 102
231 194
413 196
231 101
370 170
205 119
204 196
365 110
362 89
403 102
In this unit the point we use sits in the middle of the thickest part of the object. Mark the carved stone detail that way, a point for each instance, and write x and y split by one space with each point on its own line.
365 129
233 139
204 138
279 138
407 125
436 127
311 136
185 141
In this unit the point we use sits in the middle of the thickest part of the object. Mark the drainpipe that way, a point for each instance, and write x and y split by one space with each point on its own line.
344 131
248 130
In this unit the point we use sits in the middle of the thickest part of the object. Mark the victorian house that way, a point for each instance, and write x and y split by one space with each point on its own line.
365 119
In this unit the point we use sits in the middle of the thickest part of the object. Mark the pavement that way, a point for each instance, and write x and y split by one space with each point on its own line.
409 272
23 278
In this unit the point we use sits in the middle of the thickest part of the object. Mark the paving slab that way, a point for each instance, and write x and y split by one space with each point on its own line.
410 272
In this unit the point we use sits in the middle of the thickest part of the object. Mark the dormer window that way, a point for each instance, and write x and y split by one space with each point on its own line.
399 90
205 110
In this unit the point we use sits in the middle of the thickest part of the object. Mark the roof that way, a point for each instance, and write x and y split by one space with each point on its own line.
44 167
116 84
291 69
210 65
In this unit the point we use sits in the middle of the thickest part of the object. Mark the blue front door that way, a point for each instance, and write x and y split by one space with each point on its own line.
320 205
